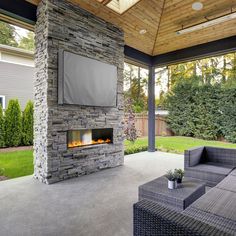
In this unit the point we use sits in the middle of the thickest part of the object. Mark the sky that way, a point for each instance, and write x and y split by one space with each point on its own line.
20 32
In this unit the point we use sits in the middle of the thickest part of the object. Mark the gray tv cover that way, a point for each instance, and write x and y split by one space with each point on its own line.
87 81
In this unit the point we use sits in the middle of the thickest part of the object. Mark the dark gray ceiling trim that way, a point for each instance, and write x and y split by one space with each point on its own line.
213 48
20 10
137 56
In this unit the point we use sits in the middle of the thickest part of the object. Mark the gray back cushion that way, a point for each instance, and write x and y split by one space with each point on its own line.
196 156
224 156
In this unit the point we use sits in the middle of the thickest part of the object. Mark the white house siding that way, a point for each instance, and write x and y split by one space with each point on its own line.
16 81
17 59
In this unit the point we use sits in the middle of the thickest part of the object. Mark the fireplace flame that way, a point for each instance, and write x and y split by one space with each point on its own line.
79 143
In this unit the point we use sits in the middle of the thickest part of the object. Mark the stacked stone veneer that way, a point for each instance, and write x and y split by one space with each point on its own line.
62 25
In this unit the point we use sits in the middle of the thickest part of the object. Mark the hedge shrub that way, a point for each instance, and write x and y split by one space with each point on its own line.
228 114
206 111
13 124
27 124
180 105
135 149
2 138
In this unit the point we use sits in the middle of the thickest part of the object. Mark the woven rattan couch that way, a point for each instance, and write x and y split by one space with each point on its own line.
212 214
209 164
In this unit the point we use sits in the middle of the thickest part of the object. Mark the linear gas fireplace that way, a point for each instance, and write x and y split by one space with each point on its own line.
85 137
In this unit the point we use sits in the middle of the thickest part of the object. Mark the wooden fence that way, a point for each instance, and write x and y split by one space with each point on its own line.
161 128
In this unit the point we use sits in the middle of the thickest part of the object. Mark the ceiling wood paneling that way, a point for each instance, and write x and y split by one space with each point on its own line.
161 19
179 12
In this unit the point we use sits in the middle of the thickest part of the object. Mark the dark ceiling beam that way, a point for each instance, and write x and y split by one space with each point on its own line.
20 10
200 51
137 56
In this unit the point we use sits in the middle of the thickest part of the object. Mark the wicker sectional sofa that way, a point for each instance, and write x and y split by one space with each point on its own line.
212 214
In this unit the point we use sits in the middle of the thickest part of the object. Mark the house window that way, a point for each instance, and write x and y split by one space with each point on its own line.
2 101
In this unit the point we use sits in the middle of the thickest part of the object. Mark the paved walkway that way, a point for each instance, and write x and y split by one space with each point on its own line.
99 204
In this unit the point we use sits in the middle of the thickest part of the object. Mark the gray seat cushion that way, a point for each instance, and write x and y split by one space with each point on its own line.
228 183
217 208
233 172
209 172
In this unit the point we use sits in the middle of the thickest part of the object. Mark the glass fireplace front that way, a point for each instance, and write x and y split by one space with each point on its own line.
85 137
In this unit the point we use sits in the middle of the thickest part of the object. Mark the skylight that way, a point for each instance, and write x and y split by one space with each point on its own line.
120 6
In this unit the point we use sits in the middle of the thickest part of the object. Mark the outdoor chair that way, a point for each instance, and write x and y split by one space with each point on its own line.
209 164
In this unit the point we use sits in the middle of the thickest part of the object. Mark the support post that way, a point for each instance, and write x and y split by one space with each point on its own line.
151 110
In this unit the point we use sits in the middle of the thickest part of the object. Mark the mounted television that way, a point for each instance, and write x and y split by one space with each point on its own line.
85 81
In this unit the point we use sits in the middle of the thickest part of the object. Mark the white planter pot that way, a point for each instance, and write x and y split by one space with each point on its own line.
171 184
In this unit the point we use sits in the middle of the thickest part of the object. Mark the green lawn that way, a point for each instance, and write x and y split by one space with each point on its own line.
16 164
176 144
20 163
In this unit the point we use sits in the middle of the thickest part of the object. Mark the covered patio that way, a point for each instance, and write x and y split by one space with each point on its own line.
143 32
97 204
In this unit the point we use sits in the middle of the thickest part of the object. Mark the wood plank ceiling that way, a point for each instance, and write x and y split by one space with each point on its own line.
161 19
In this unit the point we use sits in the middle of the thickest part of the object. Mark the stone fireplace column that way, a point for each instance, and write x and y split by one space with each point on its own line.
62 25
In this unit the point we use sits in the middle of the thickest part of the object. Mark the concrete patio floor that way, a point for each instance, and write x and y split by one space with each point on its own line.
99 204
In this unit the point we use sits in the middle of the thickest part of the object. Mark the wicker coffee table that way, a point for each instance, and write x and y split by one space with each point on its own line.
186 193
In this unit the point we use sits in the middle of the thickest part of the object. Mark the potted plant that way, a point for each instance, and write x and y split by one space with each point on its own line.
170 175
179 174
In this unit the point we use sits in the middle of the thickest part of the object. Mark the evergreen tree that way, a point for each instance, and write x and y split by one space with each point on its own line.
135 83
13 125
27 42
27 124
181 71
7 34
138 96
2 142
229 70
